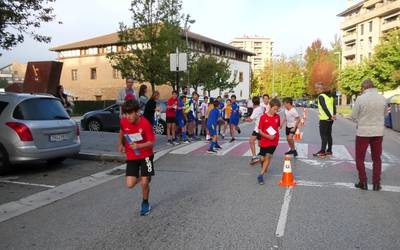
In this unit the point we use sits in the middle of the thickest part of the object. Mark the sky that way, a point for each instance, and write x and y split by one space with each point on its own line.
292 24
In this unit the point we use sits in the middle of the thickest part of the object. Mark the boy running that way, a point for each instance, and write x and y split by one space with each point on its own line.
292 120
269 131
170 114
212 126
226 114
136 139
235 117
180 118
255 117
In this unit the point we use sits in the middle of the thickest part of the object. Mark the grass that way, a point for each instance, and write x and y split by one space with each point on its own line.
344 110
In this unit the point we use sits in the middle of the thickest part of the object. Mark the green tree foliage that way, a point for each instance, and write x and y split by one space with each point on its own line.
286 77
351 77
211 73
21 18
3 83
155 33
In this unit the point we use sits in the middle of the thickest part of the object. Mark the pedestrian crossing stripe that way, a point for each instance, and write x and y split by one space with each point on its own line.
304 150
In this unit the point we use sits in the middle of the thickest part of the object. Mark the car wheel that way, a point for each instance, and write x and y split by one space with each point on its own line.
94 125
56 160
4 162
160 128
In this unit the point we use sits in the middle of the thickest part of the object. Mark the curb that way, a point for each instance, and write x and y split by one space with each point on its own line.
99 157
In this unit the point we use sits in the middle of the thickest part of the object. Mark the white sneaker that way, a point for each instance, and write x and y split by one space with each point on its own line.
175 143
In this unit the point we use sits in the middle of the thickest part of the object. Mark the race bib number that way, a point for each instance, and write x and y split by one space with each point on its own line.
136 137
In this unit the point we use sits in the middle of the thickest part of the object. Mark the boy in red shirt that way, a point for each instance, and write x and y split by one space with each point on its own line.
170 114
268 129
136 138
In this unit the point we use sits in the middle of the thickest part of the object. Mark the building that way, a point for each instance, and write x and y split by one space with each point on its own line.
87 73
13 73
262 47
363 26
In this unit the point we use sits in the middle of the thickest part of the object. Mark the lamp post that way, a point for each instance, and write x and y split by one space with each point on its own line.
187 50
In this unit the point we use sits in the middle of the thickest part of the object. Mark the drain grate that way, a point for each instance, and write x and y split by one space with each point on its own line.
116 172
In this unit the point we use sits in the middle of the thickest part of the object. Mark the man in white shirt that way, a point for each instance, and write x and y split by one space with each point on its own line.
258 111
292 120
128 90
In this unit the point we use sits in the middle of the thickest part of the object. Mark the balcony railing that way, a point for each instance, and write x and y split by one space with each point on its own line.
350 37
390 25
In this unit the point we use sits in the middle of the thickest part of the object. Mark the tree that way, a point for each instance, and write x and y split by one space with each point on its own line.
154 34
21 18
3 83
385 63
350 78
313 54
323 71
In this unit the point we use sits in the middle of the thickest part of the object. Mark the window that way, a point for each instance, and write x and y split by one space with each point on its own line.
91 51
370 41
3 105
362 29
369 55
116 74
240 76
74 74
361 58
40 109
93 73
370 26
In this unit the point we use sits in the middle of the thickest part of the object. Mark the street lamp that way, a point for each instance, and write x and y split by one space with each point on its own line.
187 50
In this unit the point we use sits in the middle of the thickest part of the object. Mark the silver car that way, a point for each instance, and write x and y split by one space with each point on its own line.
35 127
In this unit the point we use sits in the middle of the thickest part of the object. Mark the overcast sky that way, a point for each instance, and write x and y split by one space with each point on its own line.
292 24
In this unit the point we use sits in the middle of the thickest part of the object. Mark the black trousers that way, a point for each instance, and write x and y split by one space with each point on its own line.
325 131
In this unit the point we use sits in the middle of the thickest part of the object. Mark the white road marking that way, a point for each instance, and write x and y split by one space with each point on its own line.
32 202
386 188
302 150
227 147
340 152
27 184
280 229
189 148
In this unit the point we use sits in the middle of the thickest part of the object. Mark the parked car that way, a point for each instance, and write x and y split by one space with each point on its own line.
35 127
108 120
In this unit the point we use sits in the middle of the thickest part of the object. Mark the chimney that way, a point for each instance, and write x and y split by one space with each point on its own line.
349 3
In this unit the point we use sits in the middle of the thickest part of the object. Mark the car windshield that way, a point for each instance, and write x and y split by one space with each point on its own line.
40 109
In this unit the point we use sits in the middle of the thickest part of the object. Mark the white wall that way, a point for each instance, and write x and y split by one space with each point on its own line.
242 90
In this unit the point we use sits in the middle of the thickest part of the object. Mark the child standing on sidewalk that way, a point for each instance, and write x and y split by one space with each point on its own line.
292 120
269 131
137 139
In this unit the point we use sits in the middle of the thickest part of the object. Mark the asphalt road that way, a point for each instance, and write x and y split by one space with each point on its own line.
214 202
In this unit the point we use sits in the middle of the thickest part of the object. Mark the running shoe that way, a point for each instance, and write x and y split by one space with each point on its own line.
211 151
290 152
255 160
175 143
321 153
186 142
145 210
238 130
295 154
260 180
170 143
232 140
218 147
328 153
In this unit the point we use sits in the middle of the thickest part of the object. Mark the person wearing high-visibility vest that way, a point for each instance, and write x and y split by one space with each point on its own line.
327 115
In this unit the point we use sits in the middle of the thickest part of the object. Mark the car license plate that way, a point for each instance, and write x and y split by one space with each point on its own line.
59 137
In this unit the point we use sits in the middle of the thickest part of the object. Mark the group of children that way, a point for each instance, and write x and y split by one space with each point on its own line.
137 138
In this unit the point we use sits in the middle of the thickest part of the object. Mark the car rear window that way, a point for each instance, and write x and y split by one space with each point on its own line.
40 109
3 105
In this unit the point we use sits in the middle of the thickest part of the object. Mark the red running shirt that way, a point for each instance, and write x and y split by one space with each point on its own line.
140 132
267 121
171 112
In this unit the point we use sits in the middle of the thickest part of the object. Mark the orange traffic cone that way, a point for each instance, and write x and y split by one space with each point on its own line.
297 135
287 176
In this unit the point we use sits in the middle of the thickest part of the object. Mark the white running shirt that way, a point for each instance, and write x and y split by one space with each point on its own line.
265 108
256 115
291 116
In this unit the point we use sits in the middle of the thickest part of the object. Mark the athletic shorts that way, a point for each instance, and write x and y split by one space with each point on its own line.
256 135
288 132
212 130
234 121
170 120
226 120
141 167
181 123
191 118
268 151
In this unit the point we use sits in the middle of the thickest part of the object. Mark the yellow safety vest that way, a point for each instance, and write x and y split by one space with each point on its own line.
329 101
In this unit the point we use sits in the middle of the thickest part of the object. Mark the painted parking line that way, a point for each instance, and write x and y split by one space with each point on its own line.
280 229
27 184
35 201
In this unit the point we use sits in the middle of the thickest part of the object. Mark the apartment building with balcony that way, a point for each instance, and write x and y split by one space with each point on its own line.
364 23
87 73
262 47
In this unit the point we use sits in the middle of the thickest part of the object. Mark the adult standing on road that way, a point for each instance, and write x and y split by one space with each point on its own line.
128 90
150 108
369 114
143 99
327 114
